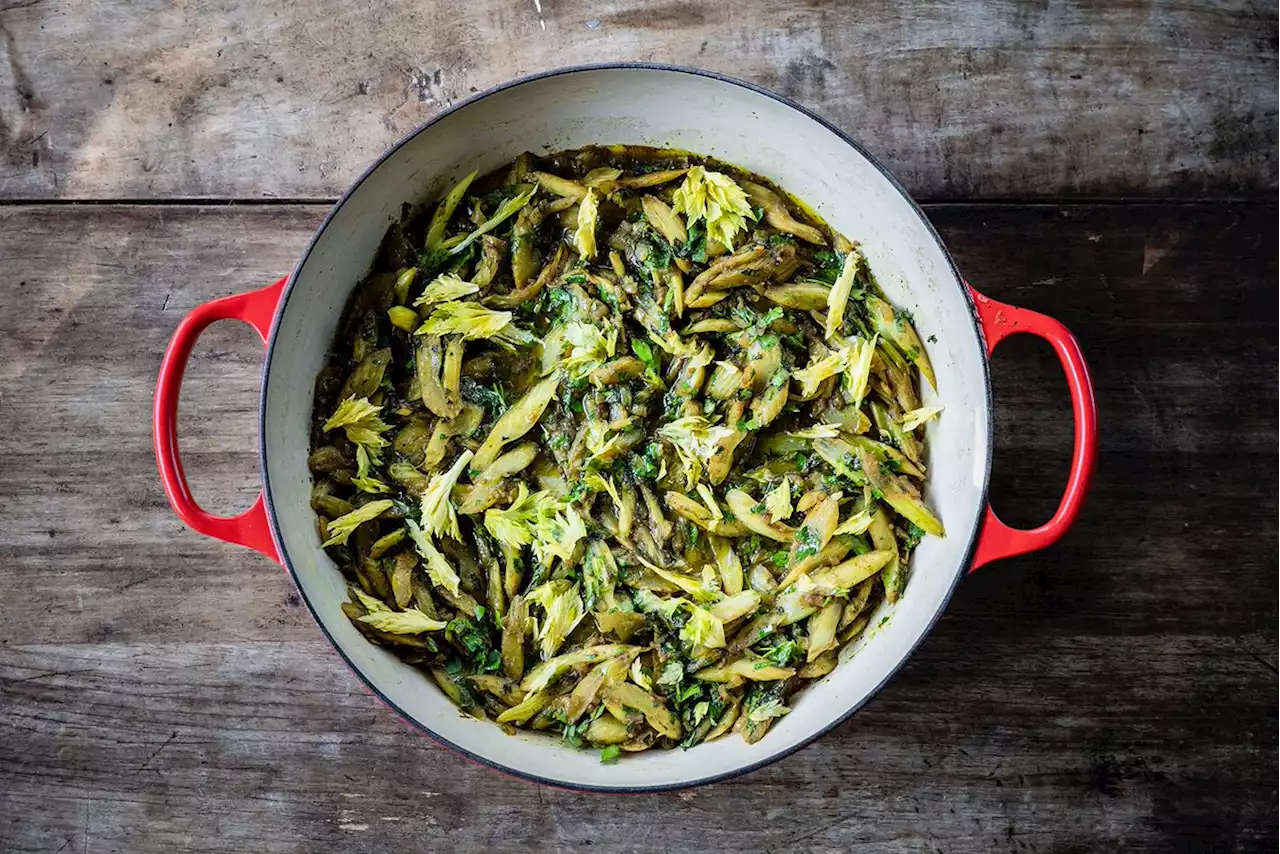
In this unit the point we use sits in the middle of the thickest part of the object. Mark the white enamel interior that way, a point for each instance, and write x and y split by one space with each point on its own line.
662 107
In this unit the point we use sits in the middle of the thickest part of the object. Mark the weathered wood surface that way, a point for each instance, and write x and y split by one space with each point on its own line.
204 98
160 691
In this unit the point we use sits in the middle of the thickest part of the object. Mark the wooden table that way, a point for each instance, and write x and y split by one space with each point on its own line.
1115 168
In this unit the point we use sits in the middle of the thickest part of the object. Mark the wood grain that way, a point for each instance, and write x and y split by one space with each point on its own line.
209 99
163 692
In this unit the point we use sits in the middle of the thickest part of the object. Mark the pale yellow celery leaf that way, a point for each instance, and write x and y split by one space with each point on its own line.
437 565
670 605
655 321
562 611
817 431
703 629
368 437
605 484
638 676
362 480
371 604
360 420
557 535
513 527
446 288
407 622
838 296
858 372
913 419
777 503
586 348
694 440
542 520
717 200
370 484
353 410
584 236
767 710
811 376
702 589
472 320
342 527
551 527
468 319
438 514
600 439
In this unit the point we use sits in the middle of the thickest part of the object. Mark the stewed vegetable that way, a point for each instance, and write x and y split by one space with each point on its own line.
622 444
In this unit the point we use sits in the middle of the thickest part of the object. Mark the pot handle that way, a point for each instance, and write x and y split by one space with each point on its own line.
999 321
251 528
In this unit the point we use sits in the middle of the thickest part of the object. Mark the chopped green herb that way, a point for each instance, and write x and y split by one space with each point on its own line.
829 264
645 466
806 542
659 257
473 642
914 534
767 319
688 692
555 304
743 316
781 654
858 544
695 248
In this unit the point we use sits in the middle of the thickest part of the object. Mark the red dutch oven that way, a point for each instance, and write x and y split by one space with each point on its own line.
651 105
